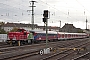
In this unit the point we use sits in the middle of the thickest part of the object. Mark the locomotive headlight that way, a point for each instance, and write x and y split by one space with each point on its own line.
40 38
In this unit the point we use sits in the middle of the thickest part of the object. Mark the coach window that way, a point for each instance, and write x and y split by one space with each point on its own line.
65 35
24 32
44 34
60 35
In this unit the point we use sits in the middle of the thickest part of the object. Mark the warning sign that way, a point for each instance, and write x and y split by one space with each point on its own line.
45 51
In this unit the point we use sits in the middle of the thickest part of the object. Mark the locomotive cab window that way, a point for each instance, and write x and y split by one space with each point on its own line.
19 30
25 32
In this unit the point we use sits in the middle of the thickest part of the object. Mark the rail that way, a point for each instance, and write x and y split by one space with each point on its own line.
81 56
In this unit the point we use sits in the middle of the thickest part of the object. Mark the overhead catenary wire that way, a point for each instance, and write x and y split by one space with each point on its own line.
12 7
69 16
83 6
40 1
10 13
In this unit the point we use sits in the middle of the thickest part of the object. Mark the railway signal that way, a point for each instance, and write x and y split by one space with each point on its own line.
45 20
46 15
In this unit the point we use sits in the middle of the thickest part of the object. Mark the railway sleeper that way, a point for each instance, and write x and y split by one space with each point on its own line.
14 54
81 56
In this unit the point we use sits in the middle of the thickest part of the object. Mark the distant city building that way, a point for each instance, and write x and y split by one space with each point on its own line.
66 28
70 28
9 26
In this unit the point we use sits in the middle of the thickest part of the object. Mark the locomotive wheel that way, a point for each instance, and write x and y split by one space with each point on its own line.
30 41
36 41
21 43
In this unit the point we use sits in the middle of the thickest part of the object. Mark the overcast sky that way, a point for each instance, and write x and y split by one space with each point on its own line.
67 11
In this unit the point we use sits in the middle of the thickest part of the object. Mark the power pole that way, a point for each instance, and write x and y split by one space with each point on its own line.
86 23
60 26
32 2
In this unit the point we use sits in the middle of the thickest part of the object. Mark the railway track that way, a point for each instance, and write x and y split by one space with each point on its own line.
70 54
5 46
80 56
51 55
35 51
60 55
24 55
9 48
15 55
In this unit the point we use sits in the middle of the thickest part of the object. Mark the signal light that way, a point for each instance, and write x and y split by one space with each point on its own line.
44 20
45 14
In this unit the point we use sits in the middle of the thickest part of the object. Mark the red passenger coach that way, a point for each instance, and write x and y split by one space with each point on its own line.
64 35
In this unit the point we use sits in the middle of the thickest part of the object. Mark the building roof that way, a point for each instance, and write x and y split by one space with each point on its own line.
68 26
28 25
18 25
